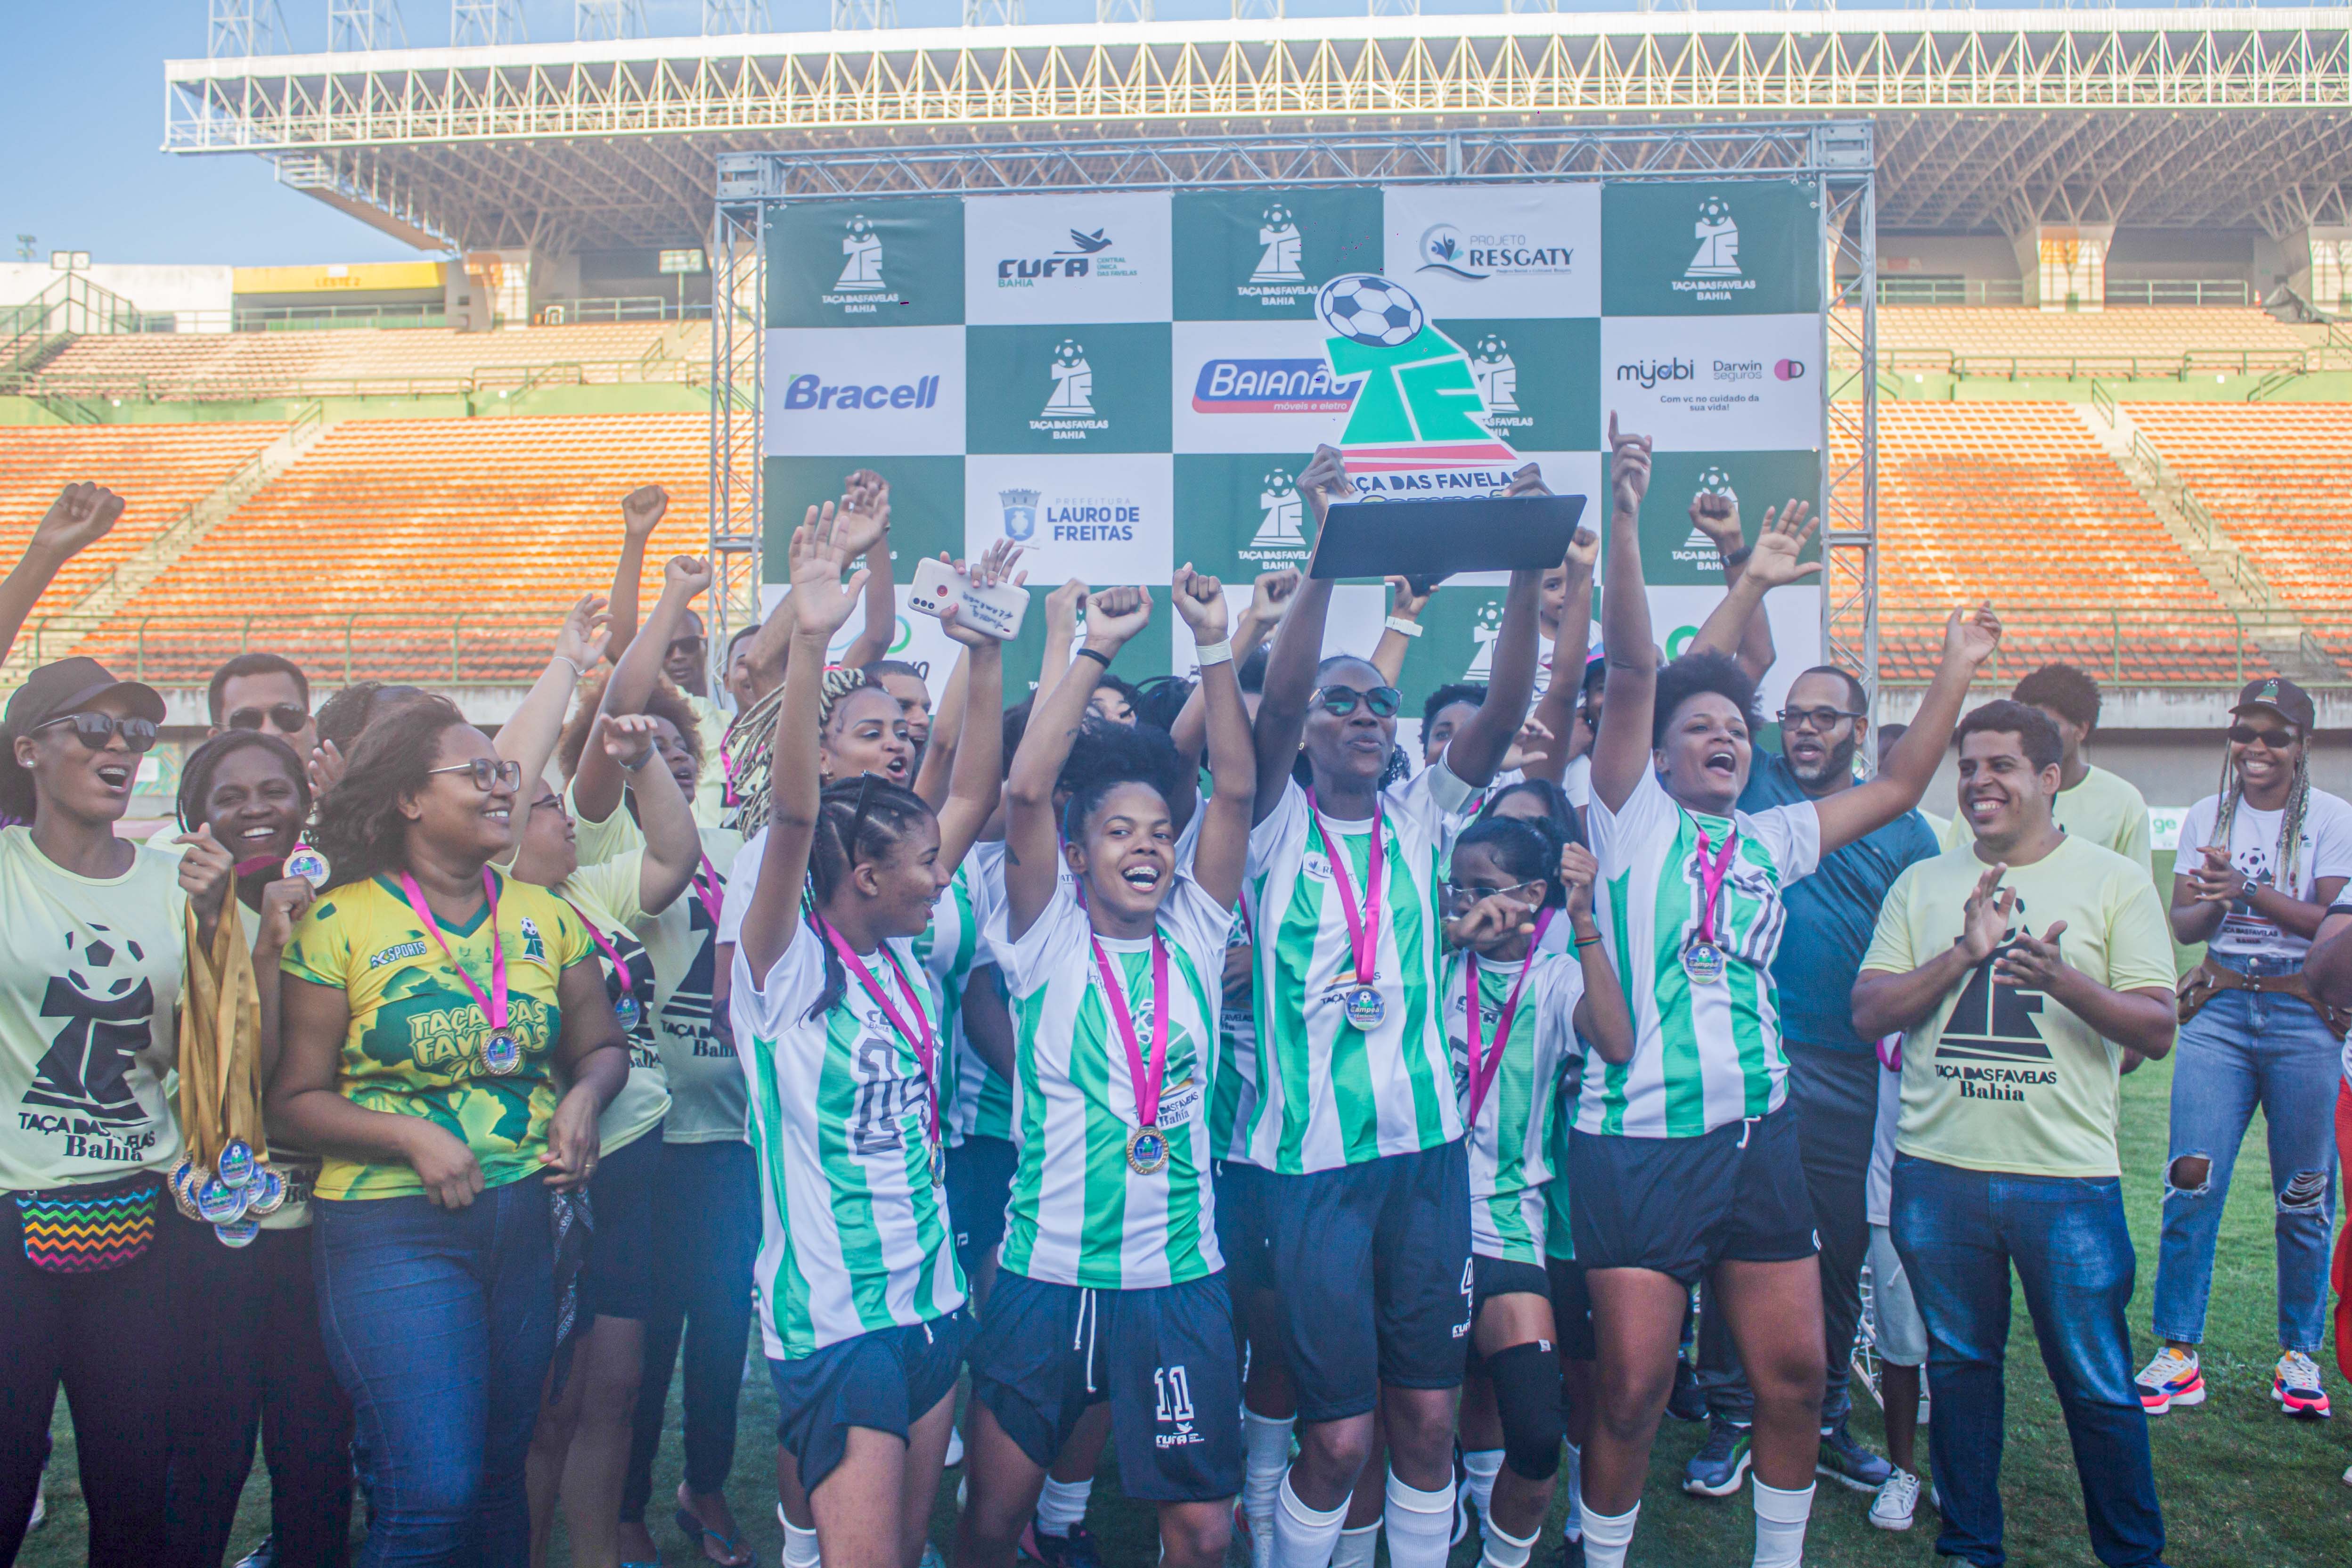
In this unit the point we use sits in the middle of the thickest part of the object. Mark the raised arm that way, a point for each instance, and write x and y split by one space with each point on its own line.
866 504
1223 851
1477 748
641 513
1404 608
596 788
625 743
1064 605
1738 626
1270 596
978 777
1032 843
1556 710
1602 1019
947 734
1969 641
1885 1003
1297 649
1621 751
528 736
77 519
820 602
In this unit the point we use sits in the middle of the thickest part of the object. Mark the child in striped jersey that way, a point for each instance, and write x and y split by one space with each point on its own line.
1685 1160
1511 881
1111 1286
861 1303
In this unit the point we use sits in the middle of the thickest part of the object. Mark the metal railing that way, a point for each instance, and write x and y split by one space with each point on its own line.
2133 644
2178 291
440 647
627 308
164 386
1914 288
2177 366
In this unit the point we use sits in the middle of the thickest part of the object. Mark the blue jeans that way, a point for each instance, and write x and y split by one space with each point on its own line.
440 1325
2241 1050
1958 1233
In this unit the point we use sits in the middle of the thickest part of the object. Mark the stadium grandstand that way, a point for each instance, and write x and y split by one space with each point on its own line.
2104 257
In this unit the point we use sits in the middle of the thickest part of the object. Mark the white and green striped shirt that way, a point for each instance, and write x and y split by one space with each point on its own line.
1079 1214
1704 1056
854 1236
1231 1107
1330 1094
1559 1235
1510 1144
983 1104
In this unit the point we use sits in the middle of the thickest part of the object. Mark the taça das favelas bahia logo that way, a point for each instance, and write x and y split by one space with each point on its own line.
1699 550
1714 271
1069 412
1478 256
861 288
1280 540
1068 520
1078 255
1279 277
1420 423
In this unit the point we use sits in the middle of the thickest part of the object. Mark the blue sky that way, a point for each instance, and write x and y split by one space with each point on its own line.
83 124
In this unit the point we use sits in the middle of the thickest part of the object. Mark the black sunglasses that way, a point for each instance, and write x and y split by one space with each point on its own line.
94 731
686 648
287 716
2245 734
1822 719
1381 701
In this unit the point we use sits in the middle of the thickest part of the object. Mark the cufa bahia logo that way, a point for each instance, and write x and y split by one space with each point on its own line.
1421 423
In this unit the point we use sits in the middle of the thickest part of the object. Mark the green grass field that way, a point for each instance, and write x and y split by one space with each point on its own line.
2240 1484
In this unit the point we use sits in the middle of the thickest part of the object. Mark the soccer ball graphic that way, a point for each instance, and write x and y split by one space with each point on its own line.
97 957
1714 211
1278 482
1277 216
1491 348
1369 310
860 226
1069 354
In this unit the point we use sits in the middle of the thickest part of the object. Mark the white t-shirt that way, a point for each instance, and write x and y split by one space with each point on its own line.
2325 850
1880 1188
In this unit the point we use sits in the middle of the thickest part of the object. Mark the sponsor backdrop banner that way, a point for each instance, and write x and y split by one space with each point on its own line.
1125 382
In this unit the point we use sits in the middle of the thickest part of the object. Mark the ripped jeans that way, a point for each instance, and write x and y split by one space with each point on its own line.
2241 1050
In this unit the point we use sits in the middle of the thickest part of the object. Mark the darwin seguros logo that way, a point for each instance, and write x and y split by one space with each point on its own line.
1418 405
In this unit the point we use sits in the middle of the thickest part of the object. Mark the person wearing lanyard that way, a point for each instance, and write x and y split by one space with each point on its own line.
1356 1123
862 1306
1111 1286
256 1315
429 1006
1510 879
580 1445
1685 1161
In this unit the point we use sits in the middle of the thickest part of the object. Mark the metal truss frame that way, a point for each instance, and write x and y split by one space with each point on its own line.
1836 155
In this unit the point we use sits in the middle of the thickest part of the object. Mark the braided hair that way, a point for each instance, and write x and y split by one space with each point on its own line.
862 819
750 741
2298 802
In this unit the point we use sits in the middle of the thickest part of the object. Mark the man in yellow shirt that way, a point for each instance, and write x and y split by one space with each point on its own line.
2005 1152
2093 804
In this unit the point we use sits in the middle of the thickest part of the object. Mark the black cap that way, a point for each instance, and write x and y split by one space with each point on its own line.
68 686
2281 697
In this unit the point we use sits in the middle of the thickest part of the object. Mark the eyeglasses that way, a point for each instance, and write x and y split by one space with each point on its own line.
2246 734
1822 719
1381 701
284 717
94 731
486 773
1458 896
686 648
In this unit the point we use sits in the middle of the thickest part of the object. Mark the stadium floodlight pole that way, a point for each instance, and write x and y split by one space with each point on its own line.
239 29
724 17
475 23
594 19
356 27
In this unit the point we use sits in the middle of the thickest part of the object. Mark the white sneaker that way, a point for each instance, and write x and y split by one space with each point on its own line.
41 1510
2171 1377
955 1448
1897 1501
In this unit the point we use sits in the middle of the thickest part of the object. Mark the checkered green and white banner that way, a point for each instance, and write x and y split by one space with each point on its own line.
1128 381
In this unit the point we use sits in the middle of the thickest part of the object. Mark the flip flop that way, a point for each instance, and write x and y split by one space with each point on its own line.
692 1525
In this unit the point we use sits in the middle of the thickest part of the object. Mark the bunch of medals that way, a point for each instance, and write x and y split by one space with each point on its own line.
232 1193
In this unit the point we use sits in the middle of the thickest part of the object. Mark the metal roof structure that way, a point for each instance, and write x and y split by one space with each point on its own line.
1985 119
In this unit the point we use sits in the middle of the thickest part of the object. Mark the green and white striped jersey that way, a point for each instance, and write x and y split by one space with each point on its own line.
1510 1144
854 1236
1235 1100
1330 1094
1559 1238
982 1106
1702 1055
1079 1214
954 943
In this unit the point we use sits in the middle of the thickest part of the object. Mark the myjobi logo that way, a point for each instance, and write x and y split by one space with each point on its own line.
810 392
1649 372
1418 402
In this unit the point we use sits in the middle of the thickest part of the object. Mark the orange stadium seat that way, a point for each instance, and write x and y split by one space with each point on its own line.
2002 340
360 559
2015 502
159 470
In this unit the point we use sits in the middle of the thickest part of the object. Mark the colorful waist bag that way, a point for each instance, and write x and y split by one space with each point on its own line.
87 1230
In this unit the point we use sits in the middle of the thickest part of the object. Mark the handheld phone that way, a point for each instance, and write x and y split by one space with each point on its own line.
996 611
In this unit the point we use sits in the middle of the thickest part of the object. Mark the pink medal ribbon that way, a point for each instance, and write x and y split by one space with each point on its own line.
246 868
1146 1146
726 771
500 1054
1364 1007
919 1038
625 1009
1702 960
707 884
1484 1065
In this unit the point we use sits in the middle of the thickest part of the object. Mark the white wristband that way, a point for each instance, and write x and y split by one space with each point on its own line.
1209 653
1399 623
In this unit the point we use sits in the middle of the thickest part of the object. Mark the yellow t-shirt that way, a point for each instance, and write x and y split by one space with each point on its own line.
2003 1080
417 1037
89 992
2104 809
605 895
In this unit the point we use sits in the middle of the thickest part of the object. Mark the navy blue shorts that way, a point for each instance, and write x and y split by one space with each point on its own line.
1681 1206
980 1184
1240 1224
616 1280
886 1380
1571 1308
1373 1264
1163 1358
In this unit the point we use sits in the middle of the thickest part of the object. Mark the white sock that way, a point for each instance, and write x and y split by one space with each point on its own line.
1356 1546
1482 1465
1572 1481
800 1546
1303 1537
1063 1504
1265 1458
955 1448
1781 1525
1607 1535
1507 1551
1419 1524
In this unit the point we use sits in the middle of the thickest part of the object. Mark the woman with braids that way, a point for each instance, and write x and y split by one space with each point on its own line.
2258 864
258 1308
862 1304
447 1046
1511 879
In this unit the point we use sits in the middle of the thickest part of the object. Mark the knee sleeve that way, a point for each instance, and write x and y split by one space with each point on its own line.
1527 1396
